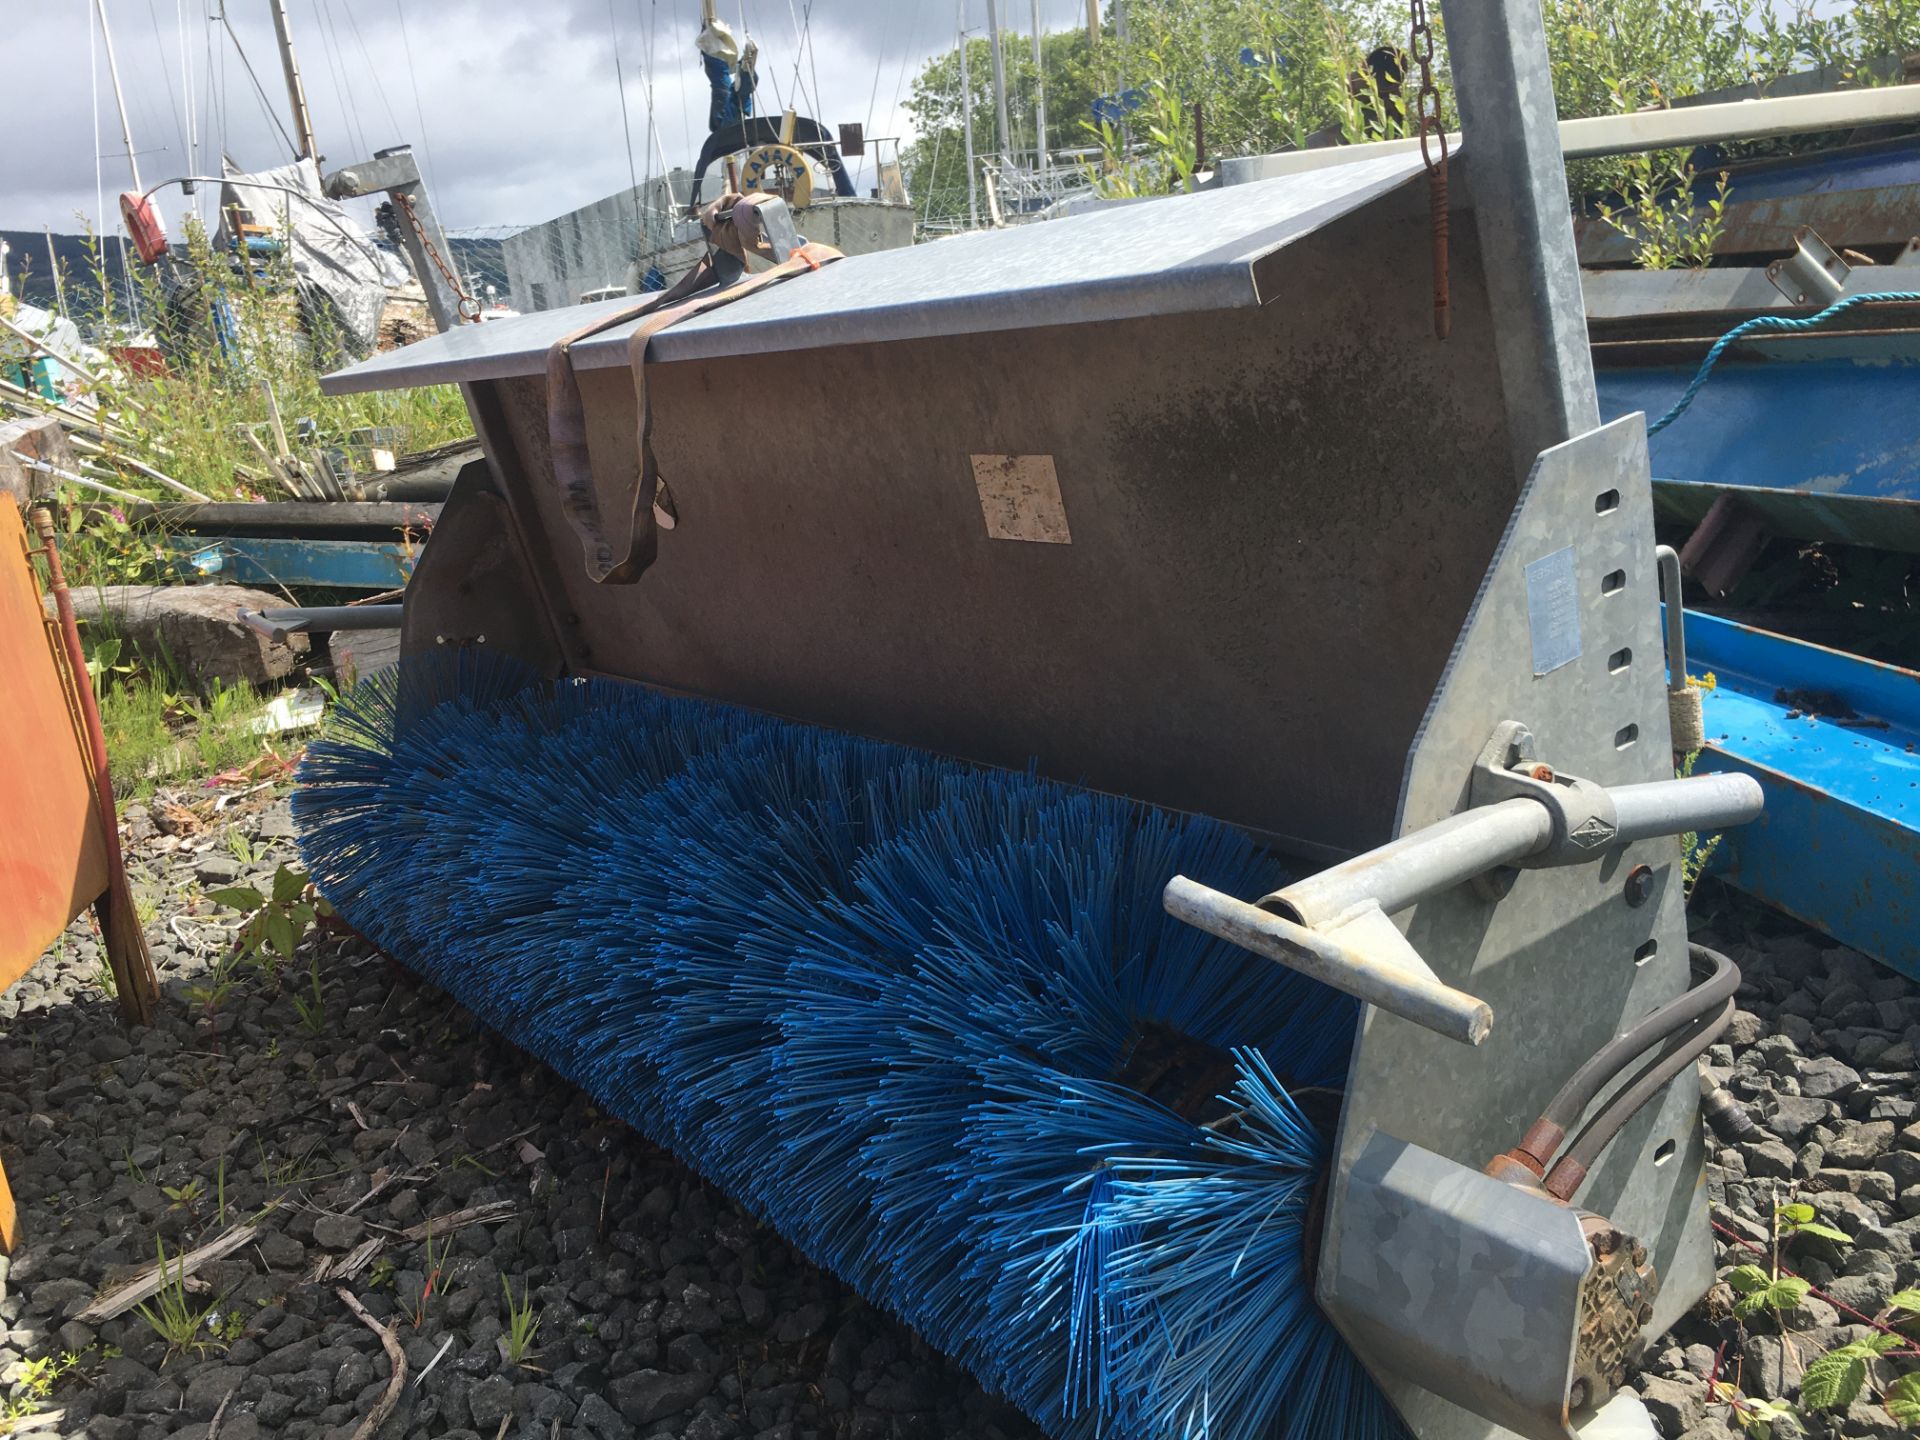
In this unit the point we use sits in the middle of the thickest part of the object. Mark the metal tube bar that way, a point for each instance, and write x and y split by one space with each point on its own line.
1504 87
322 619
1668 560
1675 807
1003 133
1430 860
966 121
1415 998
1650 129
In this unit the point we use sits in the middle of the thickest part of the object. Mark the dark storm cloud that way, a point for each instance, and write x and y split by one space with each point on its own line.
520 105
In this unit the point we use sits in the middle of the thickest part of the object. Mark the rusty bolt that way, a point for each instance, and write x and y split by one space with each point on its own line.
1542 772
1639 885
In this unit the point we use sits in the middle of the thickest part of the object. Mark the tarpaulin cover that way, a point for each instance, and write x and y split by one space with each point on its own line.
330 251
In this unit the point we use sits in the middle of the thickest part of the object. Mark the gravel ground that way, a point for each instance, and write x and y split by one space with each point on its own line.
663 1309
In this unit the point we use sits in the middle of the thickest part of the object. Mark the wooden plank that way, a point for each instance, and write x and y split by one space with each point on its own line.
52 855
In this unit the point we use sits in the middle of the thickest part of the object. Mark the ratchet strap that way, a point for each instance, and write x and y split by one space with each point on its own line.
618 520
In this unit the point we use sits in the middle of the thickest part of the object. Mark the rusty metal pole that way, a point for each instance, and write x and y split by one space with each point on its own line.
127 954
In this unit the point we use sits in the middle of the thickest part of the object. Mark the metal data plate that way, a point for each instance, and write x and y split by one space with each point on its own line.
1564 960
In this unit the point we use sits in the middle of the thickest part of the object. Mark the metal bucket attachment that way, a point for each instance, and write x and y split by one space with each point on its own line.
1185 501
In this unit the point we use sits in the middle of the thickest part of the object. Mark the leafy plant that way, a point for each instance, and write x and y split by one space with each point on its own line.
276 923
1835 1379
1799 1219
1696 854
34 1388
1659 214
1903 1399
516 1344
312 1010
435 1266
172 1316
185 1197
1759 1291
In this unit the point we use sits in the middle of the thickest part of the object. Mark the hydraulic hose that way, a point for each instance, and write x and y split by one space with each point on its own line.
1543 1138
1676 1055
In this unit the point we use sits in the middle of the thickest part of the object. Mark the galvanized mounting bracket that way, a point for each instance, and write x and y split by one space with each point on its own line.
1472 1326
1584 819
1815 275
395 172
1518 813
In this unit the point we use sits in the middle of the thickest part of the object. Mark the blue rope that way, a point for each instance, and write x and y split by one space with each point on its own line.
1771 322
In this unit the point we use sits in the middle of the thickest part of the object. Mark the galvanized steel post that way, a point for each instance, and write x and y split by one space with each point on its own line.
1497 50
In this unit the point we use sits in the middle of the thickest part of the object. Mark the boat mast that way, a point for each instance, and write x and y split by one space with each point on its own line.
296 92
1039 102
966 120
120 99
1003 130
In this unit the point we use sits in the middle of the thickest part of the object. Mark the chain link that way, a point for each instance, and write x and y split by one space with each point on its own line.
1426 115
468 306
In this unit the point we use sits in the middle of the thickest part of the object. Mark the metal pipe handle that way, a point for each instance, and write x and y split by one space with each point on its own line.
1393 987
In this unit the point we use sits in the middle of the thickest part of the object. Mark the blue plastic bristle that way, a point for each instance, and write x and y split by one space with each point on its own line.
909 1011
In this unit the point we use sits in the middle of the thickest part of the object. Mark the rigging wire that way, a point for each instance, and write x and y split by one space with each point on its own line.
813 59
186 82
626 129
259 93
93 83
342 82
353 23
160 55
419 111
873 95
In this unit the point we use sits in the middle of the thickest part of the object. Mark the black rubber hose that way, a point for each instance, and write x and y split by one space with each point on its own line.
1591 1078
1680 1051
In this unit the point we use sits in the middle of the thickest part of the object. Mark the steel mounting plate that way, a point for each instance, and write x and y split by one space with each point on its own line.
1570 645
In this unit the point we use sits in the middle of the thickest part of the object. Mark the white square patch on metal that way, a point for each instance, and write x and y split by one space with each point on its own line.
1020 498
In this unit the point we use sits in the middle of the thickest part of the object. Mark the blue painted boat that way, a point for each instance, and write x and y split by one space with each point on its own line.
1818 436
278 561
1835 742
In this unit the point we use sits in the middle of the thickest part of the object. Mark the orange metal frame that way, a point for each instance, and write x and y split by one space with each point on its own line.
54 852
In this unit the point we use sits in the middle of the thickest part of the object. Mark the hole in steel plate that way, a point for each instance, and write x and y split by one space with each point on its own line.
1606 502
1625 736
1613 582
1619 660
1663 1152
1646 952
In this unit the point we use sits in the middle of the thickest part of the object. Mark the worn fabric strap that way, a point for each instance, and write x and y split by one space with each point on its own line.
616 523
567 437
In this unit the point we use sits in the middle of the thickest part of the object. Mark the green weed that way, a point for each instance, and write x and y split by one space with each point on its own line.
522 1324
172 1316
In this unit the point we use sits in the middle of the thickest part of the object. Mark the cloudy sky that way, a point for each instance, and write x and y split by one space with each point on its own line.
516 100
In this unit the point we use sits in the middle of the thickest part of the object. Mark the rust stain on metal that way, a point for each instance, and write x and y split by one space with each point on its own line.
1020 498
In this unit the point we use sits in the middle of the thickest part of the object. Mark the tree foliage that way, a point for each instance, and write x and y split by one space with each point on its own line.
1268 74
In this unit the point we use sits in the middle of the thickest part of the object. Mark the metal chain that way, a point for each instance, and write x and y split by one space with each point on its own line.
1426 114
468 306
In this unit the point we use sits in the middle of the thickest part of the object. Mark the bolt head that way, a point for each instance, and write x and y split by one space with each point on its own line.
1639 888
